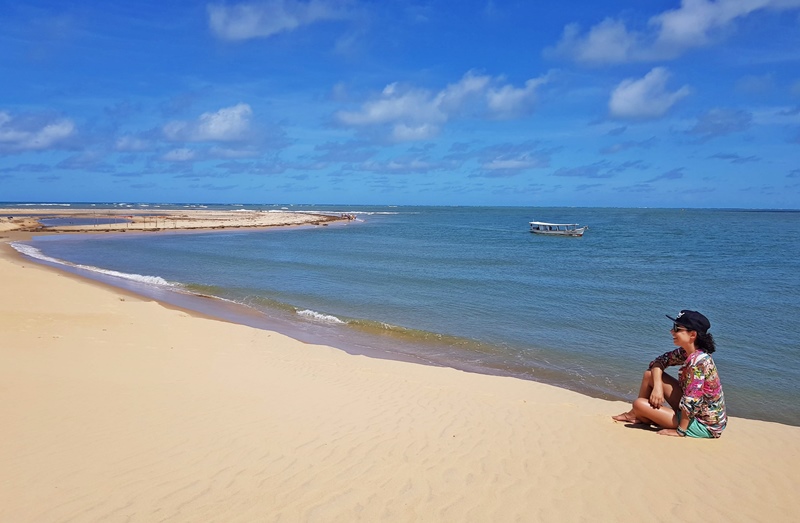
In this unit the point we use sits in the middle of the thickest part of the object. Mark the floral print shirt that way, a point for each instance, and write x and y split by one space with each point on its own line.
702 390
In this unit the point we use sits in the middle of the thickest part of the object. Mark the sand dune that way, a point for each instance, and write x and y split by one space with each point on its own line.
115 408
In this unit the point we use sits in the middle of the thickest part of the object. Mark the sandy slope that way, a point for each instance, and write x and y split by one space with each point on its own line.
115 408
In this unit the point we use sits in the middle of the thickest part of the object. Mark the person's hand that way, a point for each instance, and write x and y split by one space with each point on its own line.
657 398
668 432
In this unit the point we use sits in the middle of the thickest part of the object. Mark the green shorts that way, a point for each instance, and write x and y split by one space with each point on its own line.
696 429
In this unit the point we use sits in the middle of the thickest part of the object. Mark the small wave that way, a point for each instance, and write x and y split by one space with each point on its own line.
324 318
152 280
260 303
33 252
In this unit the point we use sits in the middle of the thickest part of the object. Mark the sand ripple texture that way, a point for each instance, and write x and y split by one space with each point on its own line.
117 409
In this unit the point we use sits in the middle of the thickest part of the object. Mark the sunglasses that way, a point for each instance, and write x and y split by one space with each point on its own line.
678 328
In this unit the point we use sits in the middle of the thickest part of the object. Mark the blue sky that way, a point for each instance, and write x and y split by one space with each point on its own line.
692 103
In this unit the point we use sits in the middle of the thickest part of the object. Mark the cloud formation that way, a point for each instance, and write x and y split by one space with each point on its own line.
645 98
508 101
695 23
412 113
33 133
229 124
268 18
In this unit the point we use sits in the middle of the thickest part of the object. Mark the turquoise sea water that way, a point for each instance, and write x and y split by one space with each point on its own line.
470 287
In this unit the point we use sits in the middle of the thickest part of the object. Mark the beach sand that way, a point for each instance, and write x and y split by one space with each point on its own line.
116 408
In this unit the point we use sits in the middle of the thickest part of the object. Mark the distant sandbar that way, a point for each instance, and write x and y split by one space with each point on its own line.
121 220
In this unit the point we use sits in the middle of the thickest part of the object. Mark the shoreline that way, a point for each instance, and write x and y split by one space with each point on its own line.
121 408
357 341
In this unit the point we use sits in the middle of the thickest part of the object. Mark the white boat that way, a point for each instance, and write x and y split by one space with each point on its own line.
558 229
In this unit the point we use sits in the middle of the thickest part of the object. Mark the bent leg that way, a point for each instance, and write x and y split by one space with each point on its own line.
672 394
645 388
664 417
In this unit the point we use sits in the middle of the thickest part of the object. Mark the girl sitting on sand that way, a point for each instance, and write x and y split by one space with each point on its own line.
698 405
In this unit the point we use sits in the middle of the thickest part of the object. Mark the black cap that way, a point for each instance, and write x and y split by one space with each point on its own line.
692 320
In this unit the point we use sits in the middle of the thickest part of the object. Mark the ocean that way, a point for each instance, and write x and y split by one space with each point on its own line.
472 288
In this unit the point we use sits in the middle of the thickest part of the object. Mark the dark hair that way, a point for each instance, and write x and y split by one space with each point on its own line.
705 342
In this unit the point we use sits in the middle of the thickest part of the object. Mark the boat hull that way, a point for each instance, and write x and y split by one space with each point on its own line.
575 232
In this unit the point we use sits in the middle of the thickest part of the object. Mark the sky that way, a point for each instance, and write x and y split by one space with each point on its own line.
619 103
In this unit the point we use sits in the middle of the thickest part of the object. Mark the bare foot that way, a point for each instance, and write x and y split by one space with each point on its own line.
627 417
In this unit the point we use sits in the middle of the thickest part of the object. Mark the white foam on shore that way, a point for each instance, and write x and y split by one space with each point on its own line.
152 280
323 318
33 252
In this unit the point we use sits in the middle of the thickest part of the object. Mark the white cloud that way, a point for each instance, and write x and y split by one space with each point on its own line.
691 24
229 124
669 34
413 105
267 18
417 114
644 98
32 133
509 101
453 98
607 42
404 133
